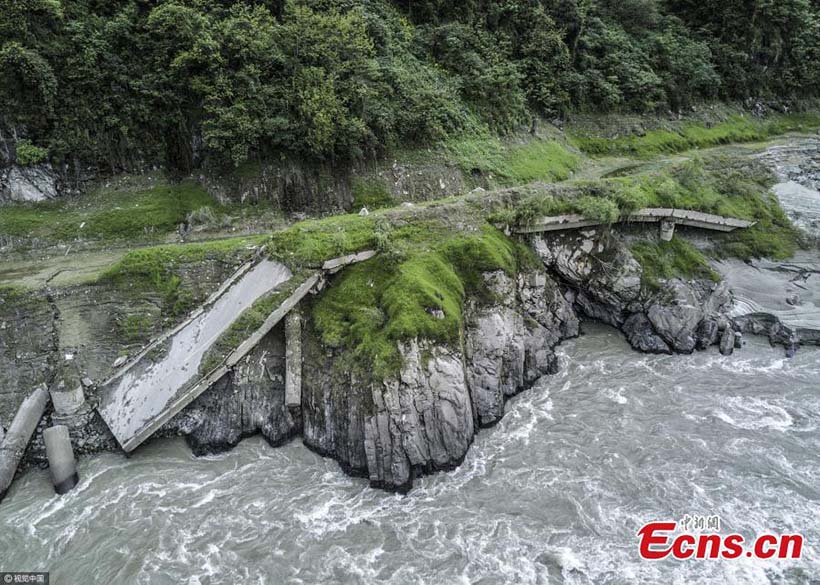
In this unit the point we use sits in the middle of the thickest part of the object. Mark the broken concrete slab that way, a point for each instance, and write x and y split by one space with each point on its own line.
149 391
647 215
140 395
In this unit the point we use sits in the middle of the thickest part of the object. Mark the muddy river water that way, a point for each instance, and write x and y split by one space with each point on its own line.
554 494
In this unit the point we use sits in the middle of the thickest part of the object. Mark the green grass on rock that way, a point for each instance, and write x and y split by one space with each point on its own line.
691 135
107 214
374 305
666 260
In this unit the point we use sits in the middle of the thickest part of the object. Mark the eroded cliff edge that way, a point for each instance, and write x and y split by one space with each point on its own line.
493 311
424 418
419 419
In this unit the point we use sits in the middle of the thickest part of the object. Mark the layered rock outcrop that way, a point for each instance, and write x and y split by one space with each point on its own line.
21 184
247 401
424 418
604 281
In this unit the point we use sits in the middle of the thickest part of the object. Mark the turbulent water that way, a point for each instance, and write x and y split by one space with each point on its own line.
554 494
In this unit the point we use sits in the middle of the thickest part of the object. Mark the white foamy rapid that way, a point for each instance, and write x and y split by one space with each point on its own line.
553 495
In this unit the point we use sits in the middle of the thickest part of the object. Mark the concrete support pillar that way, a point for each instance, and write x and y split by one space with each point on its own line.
667 230
61 461
293 359
19 434
68 402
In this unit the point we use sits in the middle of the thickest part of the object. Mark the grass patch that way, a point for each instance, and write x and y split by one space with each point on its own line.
773 237
539 160
135 328
371 193
107 214
690 135
312 242
11 293
506 165
157 269
374 305
598 208
676 259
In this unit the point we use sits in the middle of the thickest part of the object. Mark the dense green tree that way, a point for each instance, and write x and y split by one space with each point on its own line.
125 83
758 45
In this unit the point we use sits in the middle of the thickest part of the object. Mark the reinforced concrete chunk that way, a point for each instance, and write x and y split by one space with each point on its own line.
667 230
67 402
19 434
61 461
293 359
152 389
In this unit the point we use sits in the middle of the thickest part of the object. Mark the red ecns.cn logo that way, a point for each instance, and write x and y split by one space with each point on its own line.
661 540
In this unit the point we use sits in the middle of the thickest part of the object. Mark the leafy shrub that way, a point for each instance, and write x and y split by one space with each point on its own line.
676 259
28 154
598 208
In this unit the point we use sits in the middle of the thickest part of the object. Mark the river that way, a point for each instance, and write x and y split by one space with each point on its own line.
554 494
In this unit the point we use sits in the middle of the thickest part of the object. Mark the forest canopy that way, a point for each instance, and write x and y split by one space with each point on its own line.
123 83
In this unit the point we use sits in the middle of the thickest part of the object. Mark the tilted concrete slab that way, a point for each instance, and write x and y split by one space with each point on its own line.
338 263
145 394
648 215
142 395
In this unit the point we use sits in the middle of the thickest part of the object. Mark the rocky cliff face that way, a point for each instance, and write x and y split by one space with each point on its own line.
389 431
19 184
604 281
424 419
420 422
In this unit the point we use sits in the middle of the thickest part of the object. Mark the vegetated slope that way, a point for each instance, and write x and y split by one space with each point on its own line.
127 83
432 256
